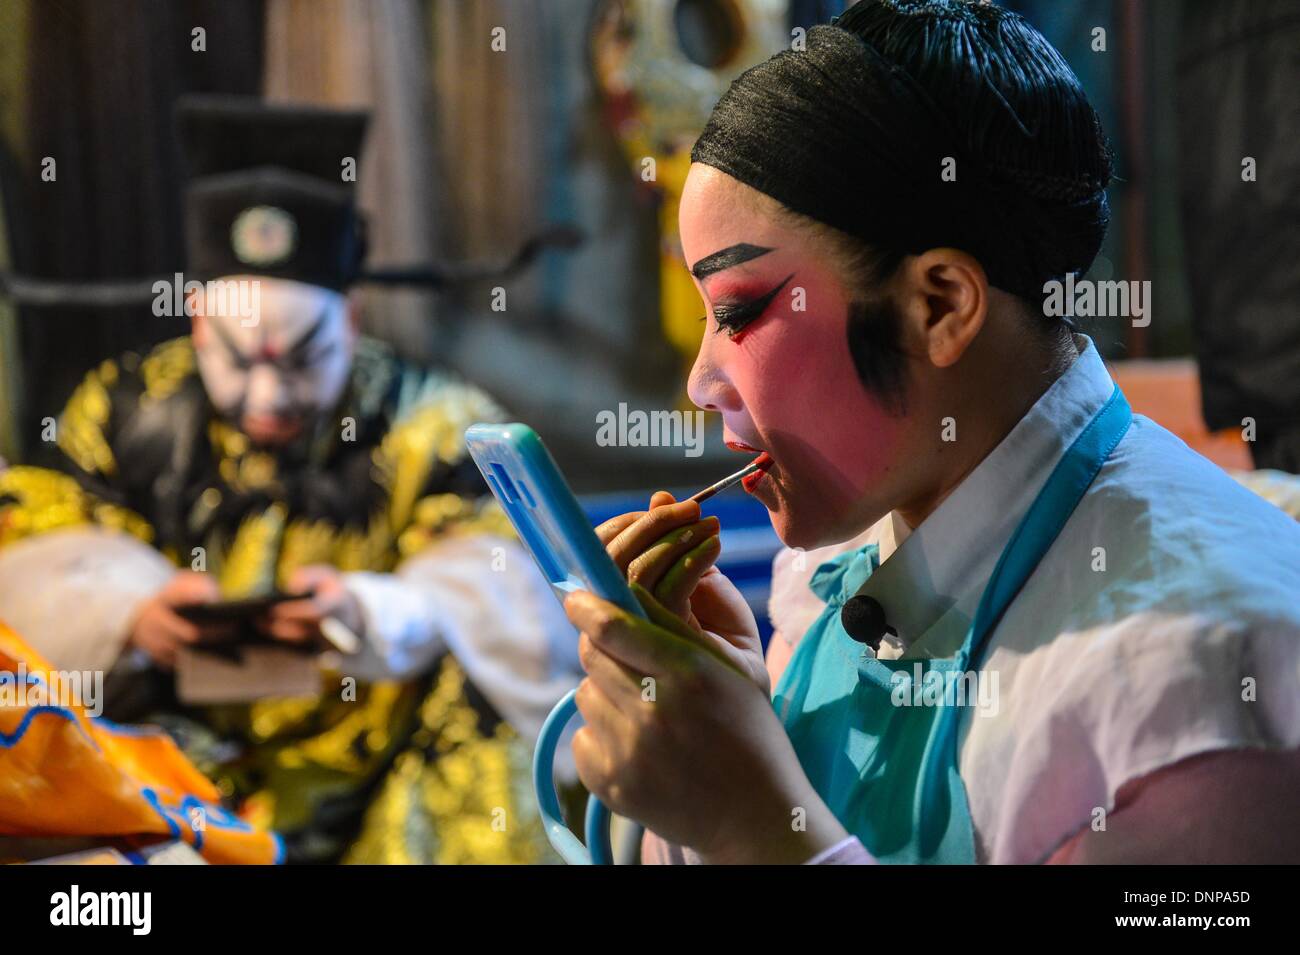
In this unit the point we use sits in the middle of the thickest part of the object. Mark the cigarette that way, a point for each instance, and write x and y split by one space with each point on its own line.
340 636
760 463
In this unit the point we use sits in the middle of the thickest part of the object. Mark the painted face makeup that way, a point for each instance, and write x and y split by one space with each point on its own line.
733 316
783 377
275 377
727 258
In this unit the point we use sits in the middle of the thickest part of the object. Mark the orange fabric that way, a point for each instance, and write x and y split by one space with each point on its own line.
65 773
1168 392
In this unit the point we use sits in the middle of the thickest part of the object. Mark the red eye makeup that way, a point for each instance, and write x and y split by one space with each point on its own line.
734 317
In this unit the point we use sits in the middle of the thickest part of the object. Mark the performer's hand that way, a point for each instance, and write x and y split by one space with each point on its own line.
299 621
680 740
160 631
672 553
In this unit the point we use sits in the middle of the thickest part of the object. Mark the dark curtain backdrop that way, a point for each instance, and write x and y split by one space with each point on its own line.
101 78
1238 74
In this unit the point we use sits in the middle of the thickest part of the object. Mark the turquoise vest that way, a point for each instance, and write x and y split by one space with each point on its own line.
889 771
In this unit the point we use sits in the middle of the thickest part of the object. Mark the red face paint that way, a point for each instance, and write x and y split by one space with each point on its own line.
788 386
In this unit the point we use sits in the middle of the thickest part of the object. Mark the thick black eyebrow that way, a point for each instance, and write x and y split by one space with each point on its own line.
297 348
227 341
300 346
726 258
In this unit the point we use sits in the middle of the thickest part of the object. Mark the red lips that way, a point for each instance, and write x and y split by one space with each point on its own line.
750 481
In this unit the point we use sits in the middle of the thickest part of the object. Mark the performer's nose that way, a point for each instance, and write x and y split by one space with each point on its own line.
266 393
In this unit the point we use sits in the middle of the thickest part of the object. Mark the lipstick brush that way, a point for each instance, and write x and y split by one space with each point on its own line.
760 463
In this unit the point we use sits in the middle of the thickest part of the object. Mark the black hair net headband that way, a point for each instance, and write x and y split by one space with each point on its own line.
855 130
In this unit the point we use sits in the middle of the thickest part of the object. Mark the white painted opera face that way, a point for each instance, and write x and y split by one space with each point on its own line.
274 369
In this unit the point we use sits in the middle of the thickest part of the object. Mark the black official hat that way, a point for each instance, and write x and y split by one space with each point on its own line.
271 190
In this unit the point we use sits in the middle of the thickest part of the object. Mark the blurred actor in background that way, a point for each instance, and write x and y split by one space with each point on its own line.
275 451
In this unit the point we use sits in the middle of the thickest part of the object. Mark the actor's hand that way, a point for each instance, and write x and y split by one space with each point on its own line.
160 631
672 553
299 621
681 740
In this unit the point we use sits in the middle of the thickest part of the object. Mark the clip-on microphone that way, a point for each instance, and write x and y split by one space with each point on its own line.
863 619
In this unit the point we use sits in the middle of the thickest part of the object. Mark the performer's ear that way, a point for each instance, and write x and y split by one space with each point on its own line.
944 296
